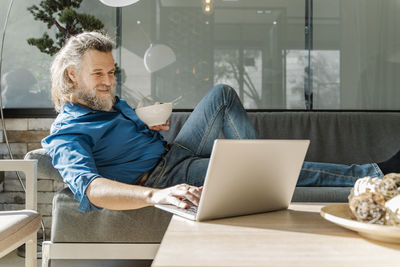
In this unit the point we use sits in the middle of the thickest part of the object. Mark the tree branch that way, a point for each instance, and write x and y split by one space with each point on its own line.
59 27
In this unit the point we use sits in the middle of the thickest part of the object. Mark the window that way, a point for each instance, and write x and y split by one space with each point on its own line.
318 88
347 58
240 43
25 77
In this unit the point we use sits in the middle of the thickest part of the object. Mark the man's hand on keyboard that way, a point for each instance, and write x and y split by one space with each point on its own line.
181 195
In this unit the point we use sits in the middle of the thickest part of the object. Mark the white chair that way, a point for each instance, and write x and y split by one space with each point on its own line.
21 226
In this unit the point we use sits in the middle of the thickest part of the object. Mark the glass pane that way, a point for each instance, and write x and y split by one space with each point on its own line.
240 43
174 48
3 13
25 79
226 67
252 78
357 41
296 78
325 77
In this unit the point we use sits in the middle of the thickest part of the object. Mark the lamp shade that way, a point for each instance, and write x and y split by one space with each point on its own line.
158 56
118 3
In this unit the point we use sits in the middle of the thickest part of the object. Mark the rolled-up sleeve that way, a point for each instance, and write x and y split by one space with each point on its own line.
72 156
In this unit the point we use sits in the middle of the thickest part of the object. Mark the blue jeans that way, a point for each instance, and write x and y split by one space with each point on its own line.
221 111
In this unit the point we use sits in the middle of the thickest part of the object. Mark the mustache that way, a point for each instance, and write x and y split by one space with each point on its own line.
105 87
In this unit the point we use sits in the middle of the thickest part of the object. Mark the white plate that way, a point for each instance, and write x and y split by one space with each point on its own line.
340 214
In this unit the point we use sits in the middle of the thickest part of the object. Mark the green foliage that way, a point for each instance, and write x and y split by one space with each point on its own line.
62 15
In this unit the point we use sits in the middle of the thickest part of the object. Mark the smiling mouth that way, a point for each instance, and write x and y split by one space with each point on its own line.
102 91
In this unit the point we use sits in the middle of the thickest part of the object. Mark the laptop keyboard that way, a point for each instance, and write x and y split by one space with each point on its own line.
191 210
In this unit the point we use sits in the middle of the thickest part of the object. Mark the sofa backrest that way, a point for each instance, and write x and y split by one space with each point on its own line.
336 137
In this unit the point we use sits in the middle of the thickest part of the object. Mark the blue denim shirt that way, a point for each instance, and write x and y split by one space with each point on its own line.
85 144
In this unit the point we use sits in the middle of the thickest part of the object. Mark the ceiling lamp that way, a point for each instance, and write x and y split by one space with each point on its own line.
157 56
119 3
208 6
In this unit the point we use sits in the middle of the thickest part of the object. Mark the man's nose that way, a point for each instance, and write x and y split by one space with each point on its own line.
108 80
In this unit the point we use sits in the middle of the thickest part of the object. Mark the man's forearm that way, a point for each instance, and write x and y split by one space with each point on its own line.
114 195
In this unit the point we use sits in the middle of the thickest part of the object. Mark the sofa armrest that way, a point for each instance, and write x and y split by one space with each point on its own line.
29 167
44 166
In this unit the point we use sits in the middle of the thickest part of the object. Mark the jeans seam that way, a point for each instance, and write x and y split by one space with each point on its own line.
233 125
377 169
204 138
329 173
182 146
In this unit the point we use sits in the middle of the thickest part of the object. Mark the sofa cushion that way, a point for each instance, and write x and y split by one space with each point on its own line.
336 136
321 194
146 225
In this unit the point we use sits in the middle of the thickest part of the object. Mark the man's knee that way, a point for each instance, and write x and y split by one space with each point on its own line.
224 89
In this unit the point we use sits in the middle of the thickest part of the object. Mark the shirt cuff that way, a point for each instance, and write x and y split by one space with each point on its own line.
84 204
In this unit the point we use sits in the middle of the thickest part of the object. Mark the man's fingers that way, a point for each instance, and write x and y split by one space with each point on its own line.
191 193
196 191
162 127
180 190
192 198
181 203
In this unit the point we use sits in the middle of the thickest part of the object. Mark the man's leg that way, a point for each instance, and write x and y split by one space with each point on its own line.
328 174
219 110
391 165
187 161
177 167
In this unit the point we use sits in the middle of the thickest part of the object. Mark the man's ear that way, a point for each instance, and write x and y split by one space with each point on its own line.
72 74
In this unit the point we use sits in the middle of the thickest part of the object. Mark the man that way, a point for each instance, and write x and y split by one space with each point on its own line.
110 159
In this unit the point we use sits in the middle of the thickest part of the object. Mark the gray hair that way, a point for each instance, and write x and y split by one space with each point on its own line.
70 55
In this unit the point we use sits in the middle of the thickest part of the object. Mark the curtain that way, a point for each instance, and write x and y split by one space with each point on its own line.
371 53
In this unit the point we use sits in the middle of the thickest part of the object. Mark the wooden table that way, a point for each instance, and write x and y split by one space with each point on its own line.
298 236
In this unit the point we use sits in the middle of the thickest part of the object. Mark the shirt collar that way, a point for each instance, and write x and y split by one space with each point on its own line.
119 103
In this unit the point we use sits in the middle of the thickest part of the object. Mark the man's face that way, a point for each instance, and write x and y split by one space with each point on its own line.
94 82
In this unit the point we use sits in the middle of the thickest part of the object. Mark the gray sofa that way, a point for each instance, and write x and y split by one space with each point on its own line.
337 137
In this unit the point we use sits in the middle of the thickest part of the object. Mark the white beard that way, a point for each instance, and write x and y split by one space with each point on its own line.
90 98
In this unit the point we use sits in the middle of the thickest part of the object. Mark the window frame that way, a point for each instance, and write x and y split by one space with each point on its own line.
308 46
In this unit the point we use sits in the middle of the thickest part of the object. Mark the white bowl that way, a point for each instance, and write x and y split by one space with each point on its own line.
155 114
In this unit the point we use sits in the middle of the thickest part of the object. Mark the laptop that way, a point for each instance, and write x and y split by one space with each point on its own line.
246 177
